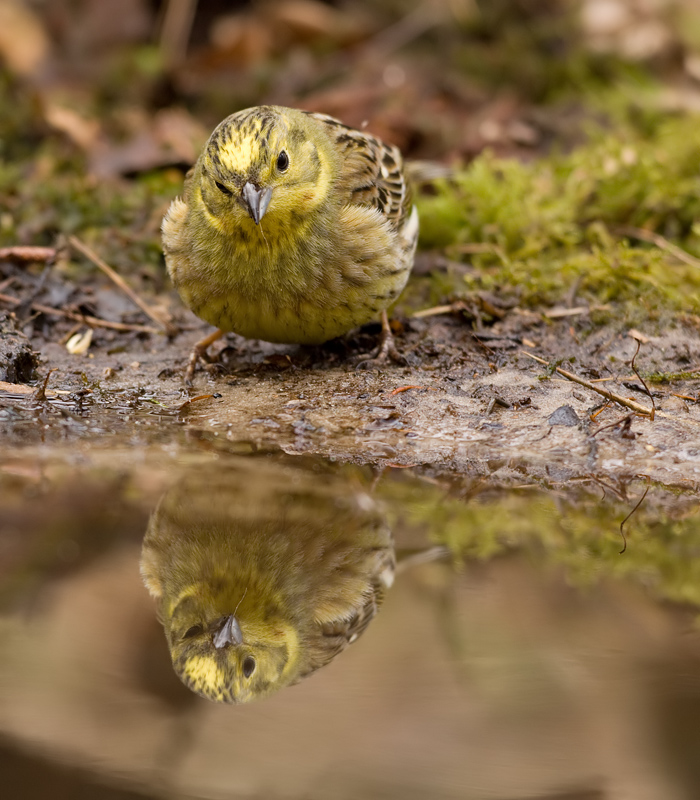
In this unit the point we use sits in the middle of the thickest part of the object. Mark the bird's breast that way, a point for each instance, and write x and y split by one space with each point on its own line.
302 285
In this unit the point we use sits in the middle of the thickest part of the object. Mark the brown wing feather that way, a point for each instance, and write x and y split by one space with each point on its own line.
333 637
371 171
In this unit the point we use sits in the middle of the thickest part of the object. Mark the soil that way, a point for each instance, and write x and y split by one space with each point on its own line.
469 402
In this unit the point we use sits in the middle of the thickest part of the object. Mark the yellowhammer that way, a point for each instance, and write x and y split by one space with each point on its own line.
292 228
262 575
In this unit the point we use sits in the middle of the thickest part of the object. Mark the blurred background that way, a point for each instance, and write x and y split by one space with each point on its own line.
104 104
137 84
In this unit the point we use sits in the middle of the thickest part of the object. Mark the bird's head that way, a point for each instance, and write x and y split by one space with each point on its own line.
227 654
266 162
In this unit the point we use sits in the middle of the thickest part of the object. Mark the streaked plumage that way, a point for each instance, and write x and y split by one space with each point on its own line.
292 227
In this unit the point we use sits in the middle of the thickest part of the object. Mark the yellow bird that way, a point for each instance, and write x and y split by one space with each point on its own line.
262 575
292 227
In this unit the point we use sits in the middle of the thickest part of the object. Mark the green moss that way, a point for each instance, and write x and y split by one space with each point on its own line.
669 377
119 218
537 229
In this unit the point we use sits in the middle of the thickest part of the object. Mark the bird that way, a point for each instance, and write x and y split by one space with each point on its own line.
293 228
261 576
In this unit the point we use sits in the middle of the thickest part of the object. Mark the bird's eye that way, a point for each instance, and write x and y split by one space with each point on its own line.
195 630
282 161
223 189
248 666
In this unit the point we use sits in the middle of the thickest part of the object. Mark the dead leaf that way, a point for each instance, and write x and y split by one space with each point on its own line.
640 337
80 130
24 44
79 343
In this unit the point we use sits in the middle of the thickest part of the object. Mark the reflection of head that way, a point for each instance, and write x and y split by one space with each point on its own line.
262 575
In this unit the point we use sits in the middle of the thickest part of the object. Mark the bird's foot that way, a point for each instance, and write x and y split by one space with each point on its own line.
386 351
198 352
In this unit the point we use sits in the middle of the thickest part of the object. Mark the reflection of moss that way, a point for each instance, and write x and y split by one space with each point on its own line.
545 226
580 533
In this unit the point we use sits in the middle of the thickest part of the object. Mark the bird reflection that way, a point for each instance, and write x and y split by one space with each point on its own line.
263 574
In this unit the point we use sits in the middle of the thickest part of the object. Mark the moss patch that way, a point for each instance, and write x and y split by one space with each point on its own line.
536 230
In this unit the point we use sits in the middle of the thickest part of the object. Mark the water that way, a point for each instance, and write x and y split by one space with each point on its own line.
518 654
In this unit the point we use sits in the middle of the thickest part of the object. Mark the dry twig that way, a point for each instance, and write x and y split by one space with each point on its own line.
39 394
405 389
118 281
622 421
27 253
639 503
646 388
661 242
604 392
84 318
436 311
176 28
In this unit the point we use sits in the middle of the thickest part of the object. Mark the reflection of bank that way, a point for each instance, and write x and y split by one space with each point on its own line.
262 580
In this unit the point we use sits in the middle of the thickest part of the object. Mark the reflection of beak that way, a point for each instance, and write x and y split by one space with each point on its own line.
256 200
228 633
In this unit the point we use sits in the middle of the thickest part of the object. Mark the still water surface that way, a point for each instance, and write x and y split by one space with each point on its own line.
398 634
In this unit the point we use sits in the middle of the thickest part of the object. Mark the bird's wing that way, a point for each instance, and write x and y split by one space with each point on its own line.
372 172
334 637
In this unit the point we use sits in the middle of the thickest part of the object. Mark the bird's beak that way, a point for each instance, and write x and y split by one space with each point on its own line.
228 633
256 200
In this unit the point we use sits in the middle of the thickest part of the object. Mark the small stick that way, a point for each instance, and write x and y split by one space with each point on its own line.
116 279
661 242
176 28
185 406
600 410
27 253
639 503
15 388
84 318
685 397
405 389
556 313
39 394
646 388
434 311
610 395
617 422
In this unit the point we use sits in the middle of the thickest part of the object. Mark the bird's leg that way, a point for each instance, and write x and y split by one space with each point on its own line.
197 352
387 348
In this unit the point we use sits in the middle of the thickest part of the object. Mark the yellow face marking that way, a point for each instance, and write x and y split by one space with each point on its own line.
204 673
240 154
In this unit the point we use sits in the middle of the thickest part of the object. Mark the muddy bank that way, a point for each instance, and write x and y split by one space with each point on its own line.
465 403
